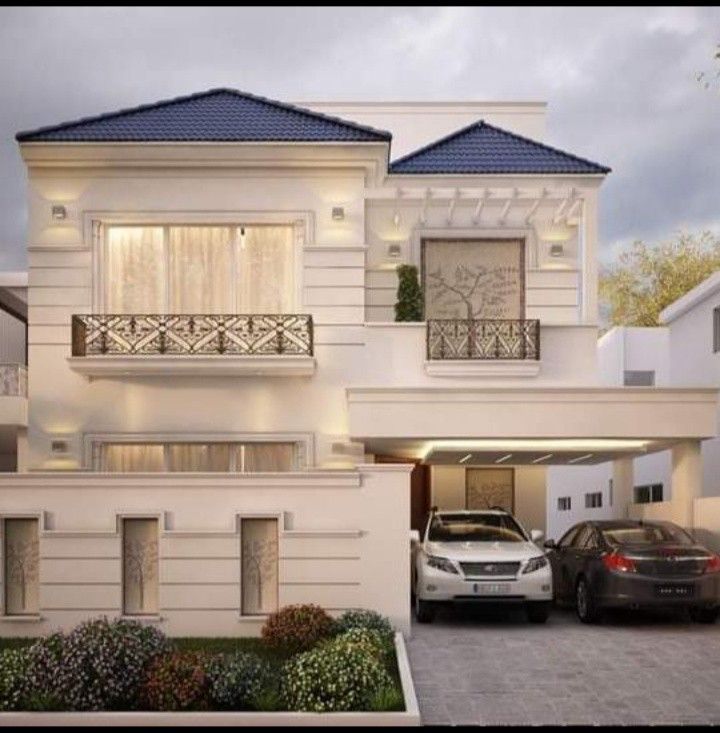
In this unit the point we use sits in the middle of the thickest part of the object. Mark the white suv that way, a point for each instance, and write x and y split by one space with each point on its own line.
480 556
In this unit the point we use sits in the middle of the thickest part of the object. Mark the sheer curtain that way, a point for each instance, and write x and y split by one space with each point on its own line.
135 275
200 264
268 457
198 457
131 458
266 271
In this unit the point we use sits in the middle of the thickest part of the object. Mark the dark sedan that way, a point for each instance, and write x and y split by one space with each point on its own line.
634 564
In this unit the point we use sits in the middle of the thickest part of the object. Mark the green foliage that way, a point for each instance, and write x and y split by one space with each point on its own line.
13 672
409 305
646 279
334 677
236 680
361 618
297 628
387 699
178 681
370 641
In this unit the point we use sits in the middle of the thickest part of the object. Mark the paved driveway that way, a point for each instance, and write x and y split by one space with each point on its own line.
476 666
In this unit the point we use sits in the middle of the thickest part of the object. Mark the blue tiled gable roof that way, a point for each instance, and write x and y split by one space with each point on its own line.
218 115
484 149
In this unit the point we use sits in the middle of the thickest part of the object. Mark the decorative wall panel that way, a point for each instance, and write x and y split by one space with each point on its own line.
140 566
489 487
259 550
21 567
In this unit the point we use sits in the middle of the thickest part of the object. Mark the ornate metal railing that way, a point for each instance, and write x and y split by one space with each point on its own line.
483 339
13 380
239 335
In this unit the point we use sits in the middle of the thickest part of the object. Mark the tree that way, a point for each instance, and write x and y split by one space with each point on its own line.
646 279
409 305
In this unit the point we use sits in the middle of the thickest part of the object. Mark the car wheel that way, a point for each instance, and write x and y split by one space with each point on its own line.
705 615
538 613
424 611
585 606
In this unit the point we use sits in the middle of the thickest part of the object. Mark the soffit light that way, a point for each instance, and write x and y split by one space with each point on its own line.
577 445
338 213
543 458
466 458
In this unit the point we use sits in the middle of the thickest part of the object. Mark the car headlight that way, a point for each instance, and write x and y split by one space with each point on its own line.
535 563
441 563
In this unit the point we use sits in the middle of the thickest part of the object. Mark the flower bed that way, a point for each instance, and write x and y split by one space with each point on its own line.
305 663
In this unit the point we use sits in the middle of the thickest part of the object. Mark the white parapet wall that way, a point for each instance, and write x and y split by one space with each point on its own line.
342 543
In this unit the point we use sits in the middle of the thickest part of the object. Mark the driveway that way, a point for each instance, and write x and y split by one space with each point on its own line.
490 667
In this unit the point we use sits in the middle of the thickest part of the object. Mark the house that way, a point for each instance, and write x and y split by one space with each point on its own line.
223 416
683 352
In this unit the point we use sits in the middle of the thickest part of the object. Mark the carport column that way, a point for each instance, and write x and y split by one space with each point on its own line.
686 482
623 483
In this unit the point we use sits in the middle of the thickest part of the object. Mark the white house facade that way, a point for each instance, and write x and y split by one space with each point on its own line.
222 416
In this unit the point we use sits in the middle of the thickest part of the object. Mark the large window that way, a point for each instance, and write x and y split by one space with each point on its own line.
648 493
199 269
222 457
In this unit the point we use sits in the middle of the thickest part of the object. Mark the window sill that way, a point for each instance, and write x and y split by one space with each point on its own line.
209 366
22 619
145 618
482 368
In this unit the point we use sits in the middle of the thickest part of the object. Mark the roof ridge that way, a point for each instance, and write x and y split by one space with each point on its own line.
508 133
24 134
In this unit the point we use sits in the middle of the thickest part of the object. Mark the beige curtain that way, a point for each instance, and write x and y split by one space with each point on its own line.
198 457
268 457
135 275
266 270
200 264
130 458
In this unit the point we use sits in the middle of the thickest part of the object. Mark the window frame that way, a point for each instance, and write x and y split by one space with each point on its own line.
590 497
562 499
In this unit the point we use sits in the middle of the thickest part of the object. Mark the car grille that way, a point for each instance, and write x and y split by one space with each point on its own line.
670 568
489 569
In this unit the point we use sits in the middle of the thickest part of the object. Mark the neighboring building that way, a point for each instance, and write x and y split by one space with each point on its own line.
684 352
223 417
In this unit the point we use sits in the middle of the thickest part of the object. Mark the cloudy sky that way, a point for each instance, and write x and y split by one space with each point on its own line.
621 83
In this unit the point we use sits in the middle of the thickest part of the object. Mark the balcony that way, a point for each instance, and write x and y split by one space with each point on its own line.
13 395
469 347
209 344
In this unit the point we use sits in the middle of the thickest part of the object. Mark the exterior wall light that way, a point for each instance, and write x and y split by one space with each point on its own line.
557 250
394 251
59 212
59 447
338 213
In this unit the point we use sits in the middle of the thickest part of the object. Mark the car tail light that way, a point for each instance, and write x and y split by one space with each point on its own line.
713 564
616 561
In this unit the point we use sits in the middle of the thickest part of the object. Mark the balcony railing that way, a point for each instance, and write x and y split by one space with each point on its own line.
13 380
483 339
187 335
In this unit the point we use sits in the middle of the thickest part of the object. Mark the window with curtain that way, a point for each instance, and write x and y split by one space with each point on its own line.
200 269
249 457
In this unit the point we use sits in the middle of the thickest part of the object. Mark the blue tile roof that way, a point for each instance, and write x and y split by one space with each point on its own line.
484 149
218 115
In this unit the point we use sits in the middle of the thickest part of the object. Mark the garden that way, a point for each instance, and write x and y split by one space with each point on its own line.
305 661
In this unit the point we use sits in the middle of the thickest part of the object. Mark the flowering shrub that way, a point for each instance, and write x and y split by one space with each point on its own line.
333 677
236 680
178 681
367 640
13 672
297 628
41 676
360 618
102 664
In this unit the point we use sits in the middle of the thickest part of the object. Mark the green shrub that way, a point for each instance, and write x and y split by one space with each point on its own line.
44 660
268 700
13 675
360 618
334 677
409 305
368 640
387 699
297 628
178 681
102 663
236 680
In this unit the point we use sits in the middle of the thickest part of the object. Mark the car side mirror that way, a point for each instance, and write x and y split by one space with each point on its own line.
414 536
536 535
549 544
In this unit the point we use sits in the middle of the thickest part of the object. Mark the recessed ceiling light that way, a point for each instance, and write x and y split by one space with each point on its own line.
504 458
543 458
466 458
580 458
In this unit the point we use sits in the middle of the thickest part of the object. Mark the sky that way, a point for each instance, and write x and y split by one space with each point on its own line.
620 82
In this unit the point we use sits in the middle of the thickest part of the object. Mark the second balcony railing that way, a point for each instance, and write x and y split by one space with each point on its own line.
179 335
483 339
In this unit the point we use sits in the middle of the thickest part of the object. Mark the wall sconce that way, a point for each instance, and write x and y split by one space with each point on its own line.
59 212
394 251
59 447
338 213
557 250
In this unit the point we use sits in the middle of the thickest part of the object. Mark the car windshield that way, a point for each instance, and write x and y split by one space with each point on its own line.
646 534
475 528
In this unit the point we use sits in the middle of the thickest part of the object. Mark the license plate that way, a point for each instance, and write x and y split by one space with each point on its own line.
491 589
674 590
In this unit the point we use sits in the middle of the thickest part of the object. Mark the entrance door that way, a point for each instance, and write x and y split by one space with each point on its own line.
488 487
419 490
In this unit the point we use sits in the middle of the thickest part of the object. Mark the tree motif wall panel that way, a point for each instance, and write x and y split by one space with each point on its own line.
259 565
